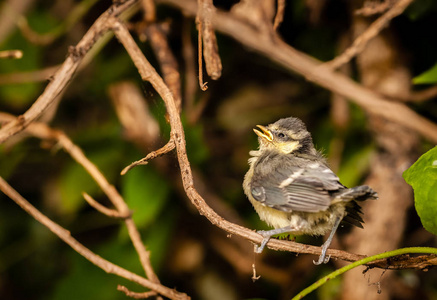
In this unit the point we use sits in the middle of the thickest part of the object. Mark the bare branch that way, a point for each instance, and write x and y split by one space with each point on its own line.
374 29
42 131
64 74
167 61
152 155
213 62
11 54
177 134
135 295
311 69
373 7
47 38
279 17
65 235
28 76
104 210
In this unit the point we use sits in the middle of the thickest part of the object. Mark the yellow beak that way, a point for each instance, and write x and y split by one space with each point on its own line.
263 133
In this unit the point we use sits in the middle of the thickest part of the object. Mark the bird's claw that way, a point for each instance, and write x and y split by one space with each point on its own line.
259 249
322 260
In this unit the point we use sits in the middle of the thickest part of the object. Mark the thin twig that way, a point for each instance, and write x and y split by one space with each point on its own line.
11 54
135 295
149 11
63 76
213 62
418 96
374 29
42 131
203 85
167 61
373 7
279 17
65 235
73 17
152 155
102 209
149 74
296 61
28 76
188 55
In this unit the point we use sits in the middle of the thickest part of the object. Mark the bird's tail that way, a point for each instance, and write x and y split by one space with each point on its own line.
358 193
353 209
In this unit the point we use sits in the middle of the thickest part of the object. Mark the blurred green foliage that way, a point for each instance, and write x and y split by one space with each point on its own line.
34 264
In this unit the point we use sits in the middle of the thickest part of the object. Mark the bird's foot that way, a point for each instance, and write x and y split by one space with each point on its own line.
266 234
322 259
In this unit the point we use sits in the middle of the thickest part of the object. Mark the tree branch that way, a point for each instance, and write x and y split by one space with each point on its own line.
373 30
65 235
64 74
272 47
42 131
148 73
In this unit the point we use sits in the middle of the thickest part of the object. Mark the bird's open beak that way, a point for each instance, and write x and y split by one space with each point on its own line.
263 133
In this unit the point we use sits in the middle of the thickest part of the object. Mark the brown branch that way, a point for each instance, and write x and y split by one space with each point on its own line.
213 62
203 85
374 29
64 74
279 17
152 155
418 96
372 7
131 106
10 10
42 131
11 54
135 295
28 76
295 61
102 209
168 63
148 73
65 235
149 11
75 14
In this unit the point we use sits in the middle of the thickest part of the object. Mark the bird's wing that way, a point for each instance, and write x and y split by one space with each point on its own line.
296 189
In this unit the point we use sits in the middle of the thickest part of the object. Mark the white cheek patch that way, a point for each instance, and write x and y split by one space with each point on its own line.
290 147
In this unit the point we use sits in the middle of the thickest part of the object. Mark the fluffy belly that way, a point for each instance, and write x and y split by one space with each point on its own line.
304 223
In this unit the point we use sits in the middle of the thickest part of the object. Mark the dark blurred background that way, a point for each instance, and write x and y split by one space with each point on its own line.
187 252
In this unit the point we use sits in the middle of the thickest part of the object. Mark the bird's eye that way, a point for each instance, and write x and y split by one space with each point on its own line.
281 135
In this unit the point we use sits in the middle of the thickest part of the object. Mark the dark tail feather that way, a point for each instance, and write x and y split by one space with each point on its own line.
353 209
353 214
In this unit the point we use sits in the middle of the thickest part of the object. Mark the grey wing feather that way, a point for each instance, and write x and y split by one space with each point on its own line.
296 189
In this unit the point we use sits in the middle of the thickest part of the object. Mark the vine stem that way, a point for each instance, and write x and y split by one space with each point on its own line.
363 261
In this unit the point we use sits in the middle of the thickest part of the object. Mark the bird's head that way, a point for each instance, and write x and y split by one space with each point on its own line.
285 136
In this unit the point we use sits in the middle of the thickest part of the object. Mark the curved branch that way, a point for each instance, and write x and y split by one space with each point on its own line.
277 50
65 73
65 235
148 73
372 31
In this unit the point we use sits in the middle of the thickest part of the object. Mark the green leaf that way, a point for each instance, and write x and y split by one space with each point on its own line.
146 193
429 76
422 176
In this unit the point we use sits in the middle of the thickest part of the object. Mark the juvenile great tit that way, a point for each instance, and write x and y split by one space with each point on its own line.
292 188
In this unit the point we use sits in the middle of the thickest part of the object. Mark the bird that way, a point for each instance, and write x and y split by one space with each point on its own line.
292 188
